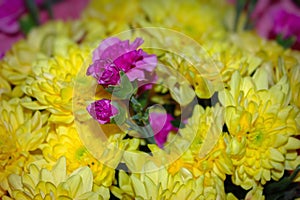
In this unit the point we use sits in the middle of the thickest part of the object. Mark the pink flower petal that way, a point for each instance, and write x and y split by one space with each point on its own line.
102 110
161 126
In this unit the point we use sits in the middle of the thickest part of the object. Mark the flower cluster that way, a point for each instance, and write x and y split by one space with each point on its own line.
198 113
127 73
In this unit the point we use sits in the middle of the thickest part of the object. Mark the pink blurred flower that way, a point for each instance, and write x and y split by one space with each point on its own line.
281 17
6 41
65 10
114 55
161 126
12 10
102 110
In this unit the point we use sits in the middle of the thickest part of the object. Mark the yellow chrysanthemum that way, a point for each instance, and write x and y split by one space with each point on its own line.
228 55
65 141
198 149
53 38
230 196
52 84
41 183
194 18
21 133
5 89
261 126
112 16
295 84
207 66
256 193
287 64
160 184
206 155
272 57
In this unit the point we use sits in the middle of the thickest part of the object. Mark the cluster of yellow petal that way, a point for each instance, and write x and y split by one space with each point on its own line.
162 185
245 52
210 66
22 132
205 156
224 54
52 82
198 150
207 148
109 17
256 193
279 62
41 183
295 84
65 141
261 112
288 64
51 39
261 126
181 16
5 89
229 55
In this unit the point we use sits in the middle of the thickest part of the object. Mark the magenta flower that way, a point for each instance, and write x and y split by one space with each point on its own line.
10 11
161 126
65 10
274 18
114 55
102 110
105 72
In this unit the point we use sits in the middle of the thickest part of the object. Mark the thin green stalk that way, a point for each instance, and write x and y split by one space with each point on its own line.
33 11
240 5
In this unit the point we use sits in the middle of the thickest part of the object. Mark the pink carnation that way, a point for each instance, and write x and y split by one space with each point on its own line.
102 110
274 18
10 11
114 55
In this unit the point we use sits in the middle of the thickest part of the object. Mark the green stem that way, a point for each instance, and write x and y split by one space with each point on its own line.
146 131
240 5
248 24
48 5
137 107
282 184
33 11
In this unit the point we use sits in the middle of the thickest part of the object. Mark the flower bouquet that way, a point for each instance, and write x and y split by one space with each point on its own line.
153 100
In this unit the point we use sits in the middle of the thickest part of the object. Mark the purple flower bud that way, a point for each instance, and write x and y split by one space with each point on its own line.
102 110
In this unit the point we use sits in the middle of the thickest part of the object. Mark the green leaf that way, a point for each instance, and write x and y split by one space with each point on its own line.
122 115
143 99
26 24
125 89
276 189
48 5
249 24
240 5
137 107
177 123
33 11
285 42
